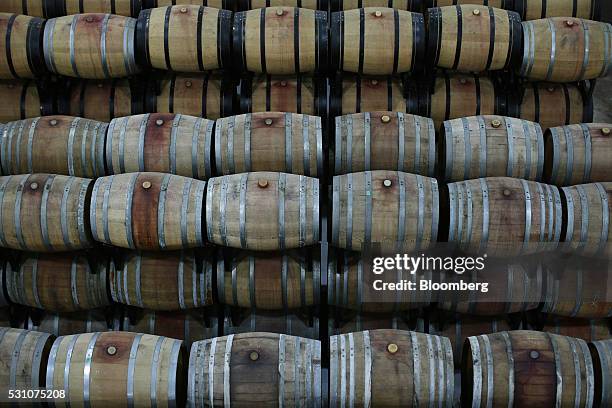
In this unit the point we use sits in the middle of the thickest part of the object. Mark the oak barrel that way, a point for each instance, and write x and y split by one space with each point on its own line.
363 321
23 356
21 53
577 154
384 140
162 281
148 211
563 49
288 366
284 322
363 42
128 8
65 282
92 45
263 211
274 93
220 4
491 146
161 142
44 212
526 369
35 8
502 4
585 329
270 281
269 141
308 4
27 101
473 38
280 40
141 369
503 216
408 5
396 210
54 144
390 368
536 9
601 353
62 324
184 38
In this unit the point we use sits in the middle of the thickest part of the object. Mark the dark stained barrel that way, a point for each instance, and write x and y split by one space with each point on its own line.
21 53
293 324
601 352
62 324
128 8
585 329
536 9
363 321
28 101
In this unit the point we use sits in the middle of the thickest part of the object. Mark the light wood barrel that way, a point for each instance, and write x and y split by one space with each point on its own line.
269 141
161 142
272 281
184 38
577 154
290 368
362 41
384 140
188 326
148 211
296 94
362 321
263 211
536 9
380 208
45 212
563 49
23 354
62 324
588 212
21 54
141 369
92 45
527 369
280 40
502 216
491 146
128 8
220 4
27 101
553 105
163 281
361 365
208 96
585 329
35 8
59 282
601 353
473 38
502 4
54 144
273 322
308 4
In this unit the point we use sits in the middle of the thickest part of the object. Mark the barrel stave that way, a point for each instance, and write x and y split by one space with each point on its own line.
534 10
128 8
35 8
21 52
601 352
271 321
28 101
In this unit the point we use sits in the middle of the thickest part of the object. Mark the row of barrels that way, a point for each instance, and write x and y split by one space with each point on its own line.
292 40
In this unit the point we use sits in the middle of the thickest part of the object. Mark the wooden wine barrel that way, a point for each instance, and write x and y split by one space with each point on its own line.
101 100
554 105
280 40
296 94
96 320
21 54
502 216
140 369
585 329
526 369
577 154
491 146
536 9
308 4
188 326
208 96
263 211
356 93
351 285
148 211
502 4
163 281
59 282
54 144
44 212
273 322
35 8
563 49
220 4
461 95
473 38
272 281
28 101
128 8
408 5
601 353
92 45
382 51
361 322
184 38
588 212
290 368
161 142
269 141
380 208
24 356
361 365
384 140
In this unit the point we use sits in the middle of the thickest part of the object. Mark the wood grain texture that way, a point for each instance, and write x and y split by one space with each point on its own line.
35 8
21 51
